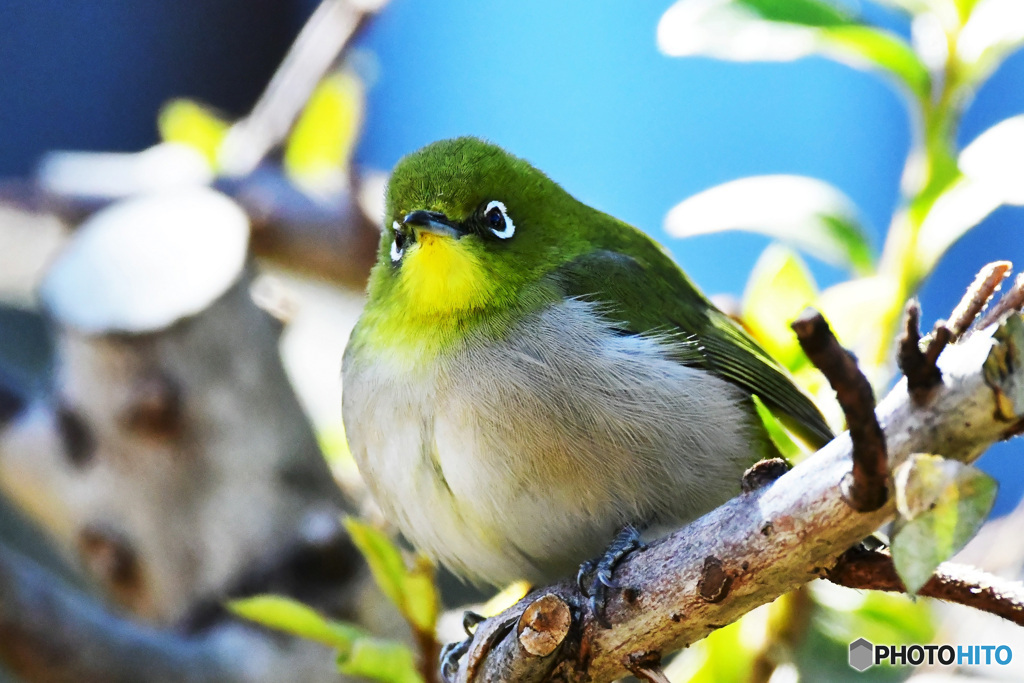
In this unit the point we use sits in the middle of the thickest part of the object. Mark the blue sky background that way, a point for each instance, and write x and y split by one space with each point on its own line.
578 87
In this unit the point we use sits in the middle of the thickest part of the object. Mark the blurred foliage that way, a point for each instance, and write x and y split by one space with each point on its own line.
780 436
318 150
807 213
954 47
195 125
359 653
409 584
830 622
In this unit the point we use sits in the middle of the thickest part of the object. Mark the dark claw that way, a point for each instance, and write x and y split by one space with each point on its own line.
596 604
450 656
605 577
469 621
602 572
586 569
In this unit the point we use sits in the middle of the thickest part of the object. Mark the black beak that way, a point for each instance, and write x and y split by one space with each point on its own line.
432 222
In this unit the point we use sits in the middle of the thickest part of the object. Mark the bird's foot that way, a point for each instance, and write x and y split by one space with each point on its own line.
602 570
452 652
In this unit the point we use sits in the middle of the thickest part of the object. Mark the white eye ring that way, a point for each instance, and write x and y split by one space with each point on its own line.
396 253
510 227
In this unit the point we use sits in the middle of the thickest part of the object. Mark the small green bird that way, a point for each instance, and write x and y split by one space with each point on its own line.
531 375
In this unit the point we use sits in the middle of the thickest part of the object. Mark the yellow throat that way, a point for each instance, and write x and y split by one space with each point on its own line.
440 275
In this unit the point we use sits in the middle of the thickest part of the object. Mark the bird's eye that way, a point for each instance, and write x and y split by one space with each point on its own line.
398 243
498 220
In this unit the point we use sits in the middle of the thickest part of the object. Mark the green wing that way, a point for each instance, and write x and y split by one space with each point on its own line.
651 294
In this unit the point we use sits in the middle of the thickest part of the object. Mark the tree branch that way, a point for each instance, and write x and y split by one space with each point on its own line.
986 283
50 632
767 542
1013 300
865 489
922 375
326 34
963 585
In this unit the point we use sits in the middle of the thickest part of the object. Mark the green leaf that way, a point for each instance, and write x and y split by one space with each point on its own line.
779 289
842 615
784 30
850 306
411 589
284 614
804 212
319 149
190 123
381 660
994 30
725 656
788 447
359 654
863 47
991 174
384 558
806 12
848 614
942 504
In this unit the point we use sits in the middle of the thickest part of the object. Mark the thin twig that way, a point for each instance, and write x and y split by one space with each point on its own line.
874 570
940 338
986 283
922 376
646 666
327 32
1013 300
866 489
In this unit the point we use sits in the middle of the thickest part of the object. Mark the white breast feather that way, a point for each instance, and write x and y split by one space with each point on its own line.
520 458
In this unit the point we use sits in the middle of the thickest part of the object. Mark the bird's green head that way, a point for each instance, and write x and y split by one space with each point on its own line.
467 228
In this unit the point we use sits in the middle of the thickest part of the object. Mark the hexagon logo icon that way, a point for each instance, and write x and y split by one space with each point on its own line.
862 654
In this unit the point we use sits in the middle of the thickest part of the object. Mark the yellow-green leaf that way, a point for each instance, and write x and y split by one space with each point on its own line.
994 30
192 124
844 614
380 660
411 589
851 308
284 614
805 212
321 144
421 599
864 47
779 288
383 557
942 504
784 30
788 447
